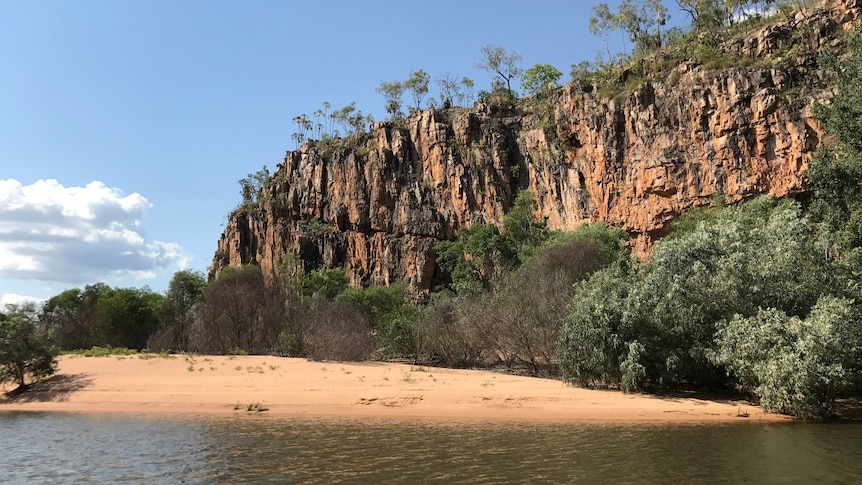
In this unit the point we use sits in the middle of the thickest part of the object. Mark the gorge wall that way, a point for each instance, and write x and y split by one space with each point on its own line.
636 161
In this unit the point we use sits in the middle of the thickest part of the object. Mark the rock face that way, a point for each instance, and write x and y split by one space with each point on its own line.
378 205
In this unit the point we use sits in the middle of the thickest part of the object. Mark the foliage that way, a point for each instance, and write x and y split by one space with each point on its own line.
754 256
446 337
327 283
521 231
836 171
251 188
794 365
602 24
476 258
453 90
390 314
522 320
103 316
27 353
177 313
417 85
609 241
496 60
97 351
392 92
540 79
480 255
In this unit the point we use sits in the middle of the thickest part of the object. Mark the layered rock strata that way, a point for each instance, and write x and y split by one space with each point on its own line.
377 205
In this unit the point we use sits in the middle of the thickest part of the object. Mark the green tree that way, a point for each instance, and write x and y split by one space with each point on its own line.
327 283
417 85
392 93
610 241
27 354
629 20
836 171
177 314
476 259
251 187
523 234
495 59
391 315
540 79
706 14
602 24
467 91
656 10
73 317
128 316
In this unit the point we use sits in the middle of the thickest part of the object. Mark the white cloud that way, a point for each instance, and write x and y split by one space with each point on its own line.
76 235
13 299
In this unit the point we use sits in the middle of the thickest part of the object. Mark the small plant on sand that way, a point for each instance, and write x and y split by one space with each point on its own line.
97 351
256 408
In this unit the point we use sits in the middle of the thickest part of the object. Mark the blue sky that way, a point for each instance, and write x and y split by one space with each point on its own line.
125 125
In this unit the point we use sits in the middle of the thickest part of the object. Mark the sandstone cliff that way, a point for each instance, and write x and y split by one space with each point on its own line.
636 160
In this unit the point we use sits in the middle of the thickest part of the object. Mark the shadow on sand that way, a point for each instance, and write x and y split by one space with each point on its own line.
54 389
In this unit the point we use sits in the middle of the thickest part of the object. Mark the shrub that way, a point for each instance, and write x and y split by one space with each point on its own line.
444 338
239 310
794 365
336 332
758 255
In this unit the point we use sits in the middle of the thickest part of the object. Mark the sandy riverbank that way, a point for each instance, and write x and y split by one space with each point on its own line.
213 385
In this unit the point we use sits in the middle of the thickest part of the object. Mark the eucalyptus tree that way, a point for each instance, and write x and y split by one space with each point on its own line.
417 85
392 92
602 24
495 59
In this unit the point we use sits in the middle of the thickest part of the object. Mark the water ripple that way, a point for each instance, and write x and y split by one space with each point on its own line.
68 448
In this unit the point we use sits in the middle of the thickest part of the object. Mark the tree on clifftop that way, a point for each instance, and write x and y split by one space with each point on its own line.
495 59
417 84
540 78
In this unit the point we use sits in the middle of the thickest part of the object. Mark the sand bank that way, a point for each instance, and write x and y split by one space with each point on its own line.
224 385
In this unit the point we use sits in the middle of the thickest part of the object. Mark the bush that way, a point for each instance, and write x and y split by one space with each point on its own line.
239 310
526 314
389 313
757 255
793 365
336 332
444 338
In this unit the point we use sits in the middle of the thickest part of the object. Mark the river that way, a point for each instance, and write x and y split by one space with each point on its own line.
76 448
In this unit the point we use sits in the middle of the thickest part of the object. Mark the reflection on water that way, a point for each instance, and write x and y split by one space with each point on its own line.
66 448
